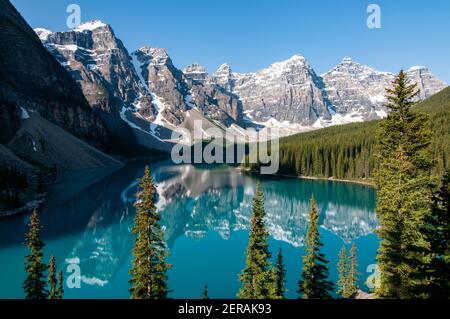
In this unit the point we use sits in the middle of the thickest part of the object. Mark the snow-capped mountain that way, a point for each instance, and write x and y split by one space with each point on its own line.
100 63
286 91
147 92
181 91
357 91
290 96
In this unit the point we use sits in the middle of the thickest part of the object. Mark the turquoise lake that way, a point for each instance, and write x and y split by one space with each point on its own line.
205 213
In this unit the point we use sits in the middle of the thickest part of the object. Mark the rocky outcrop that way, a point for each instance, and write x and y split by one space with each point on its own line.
427 83
180 91
166 81
32 79
358 91
286 91
102 66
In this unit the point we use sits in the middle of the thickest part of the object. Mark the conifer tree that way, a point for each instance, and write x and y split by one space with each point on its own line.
149 266
343 273
353 271
280 276
59 287
438 230
35 284
314 282
205 294
257 277
52 280
404 194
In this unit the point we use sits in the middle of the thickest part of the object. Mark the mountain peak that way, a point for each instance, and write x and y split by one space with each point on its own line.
195 68
224 68
347 60
297 58
417 68
42 33
90 26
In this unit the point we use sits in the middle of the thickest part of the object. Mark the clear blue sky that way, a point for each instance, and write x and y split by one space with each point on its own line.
251 34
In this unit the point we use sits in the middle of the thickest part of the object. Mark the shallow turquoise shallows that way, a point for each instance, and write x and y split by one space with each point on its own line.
205 213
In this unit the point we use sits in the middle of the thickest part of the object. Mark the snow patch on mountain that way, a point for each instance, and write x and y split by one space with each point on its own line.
90 26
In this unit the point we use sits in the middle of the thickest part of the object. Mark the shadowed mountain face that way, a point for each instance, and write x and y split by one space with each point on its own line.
32 79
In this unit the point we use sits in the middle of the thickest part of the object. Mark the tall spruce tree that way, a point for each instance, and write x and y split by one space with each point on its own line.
438 230
280 276
314 282
353 271
52 280
149 266
257 277
404 194
343 271
35 284
205 294
59 287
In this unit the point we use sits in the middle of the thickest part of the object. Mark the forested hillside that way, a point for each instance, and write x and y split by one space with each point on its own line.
347 152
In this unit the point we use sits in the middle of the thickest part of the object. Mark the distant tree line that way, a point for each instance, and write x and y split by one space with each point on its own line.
348 151
12 184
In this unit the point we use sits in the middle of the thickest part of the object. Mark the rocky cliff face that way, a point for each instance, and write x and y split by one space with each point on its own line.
427 83
291 96
101 65
166 82
286 91
358 91
180 91
31 79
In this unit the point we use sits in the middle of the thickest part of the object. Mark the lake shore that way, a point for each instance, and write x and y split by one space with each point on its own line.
331 179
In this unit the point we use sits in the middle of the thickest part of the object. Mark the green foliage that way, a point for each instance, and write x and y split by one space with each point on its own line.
404 194
353 271
343 273
149 266
348 273
35 284
314 282
280 276
12 183
59 288
52 280
438 231
348 151
205 294
257 277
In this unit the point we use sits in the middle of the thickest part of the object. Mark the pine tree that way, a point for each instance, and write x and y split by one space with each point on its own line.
59 287
314 282
353 272
257 276
343 273
438 230
52 280
280 276
205 294
35 284
404 194
149 266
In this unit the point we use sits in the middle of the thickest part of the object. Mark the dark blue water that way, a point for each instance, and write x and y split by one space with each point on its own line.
205 214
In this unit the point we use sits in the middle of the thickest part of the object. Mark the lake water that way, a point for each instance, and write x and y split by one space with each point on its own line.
205 212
